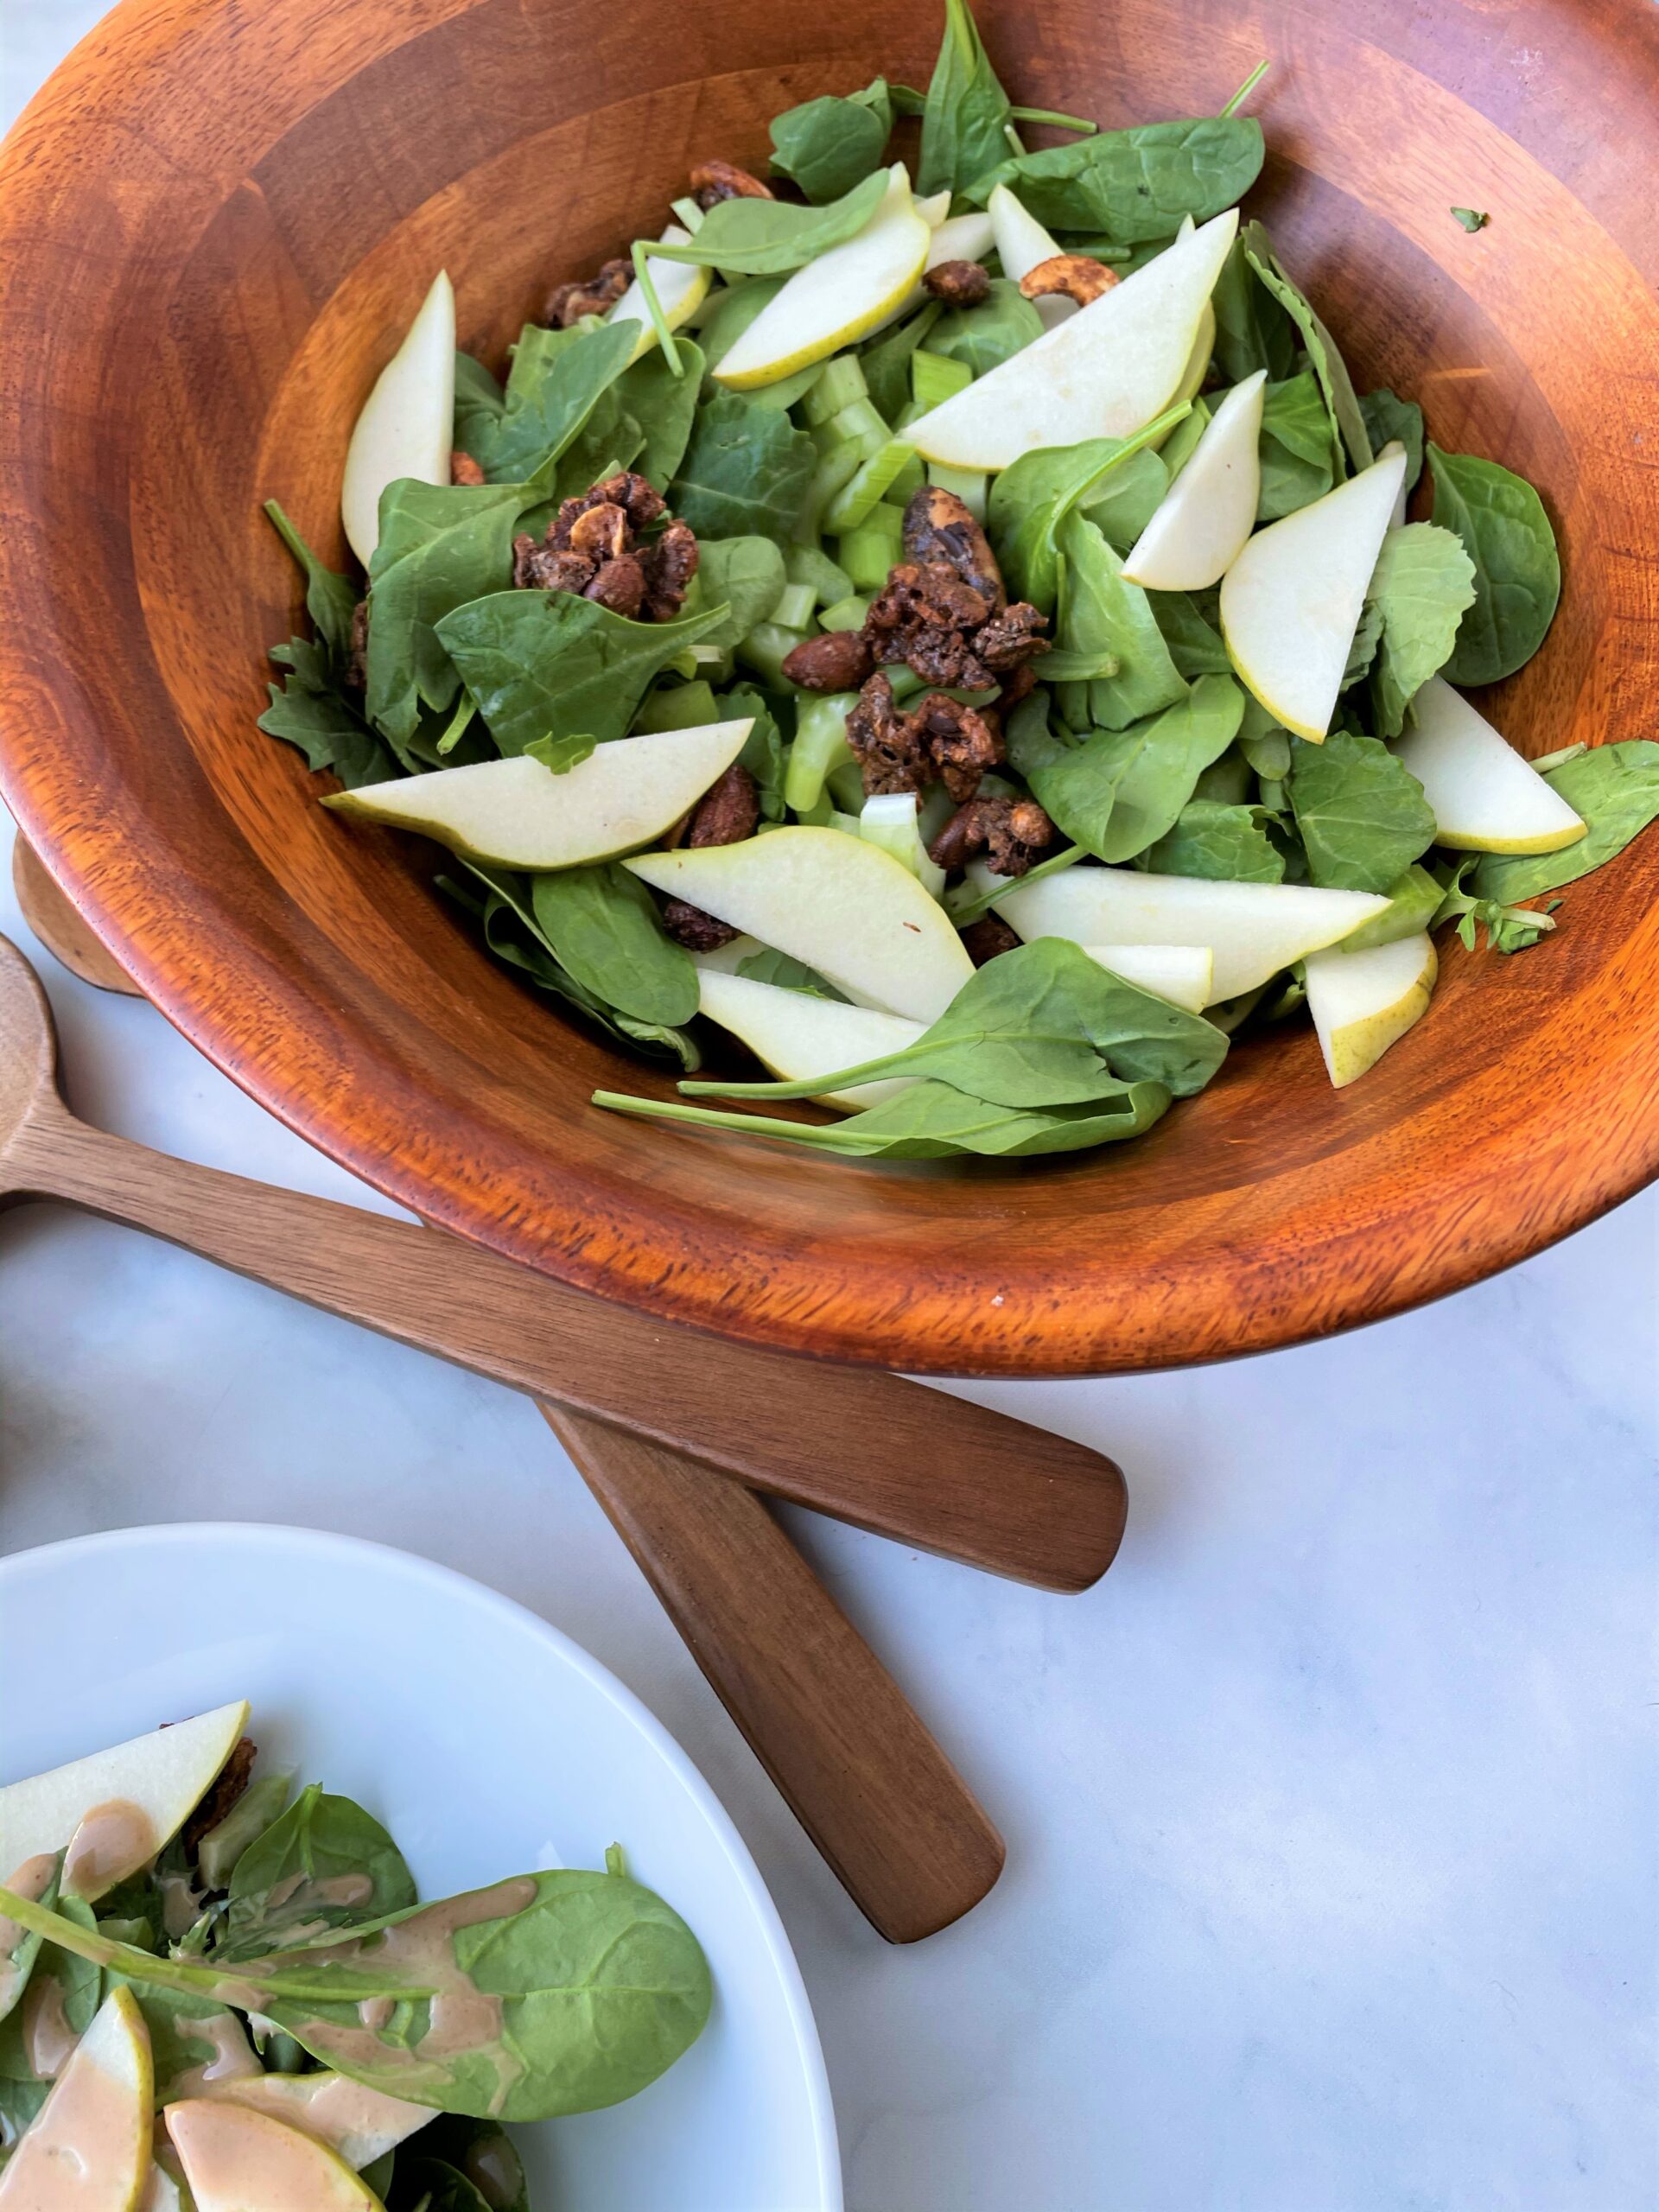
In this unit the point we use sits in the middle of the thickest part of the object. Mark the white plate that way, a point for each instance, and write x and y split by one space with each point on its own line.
489 1744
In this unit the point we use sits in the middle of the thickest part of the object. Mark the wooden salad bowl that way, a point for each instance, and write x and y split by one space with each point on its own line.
214 223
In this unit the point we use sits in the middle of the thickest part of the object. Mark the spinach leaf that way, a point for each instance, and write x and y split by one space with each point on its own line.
1361 813
309 709
556 379
1129 497
1421 585
441 545
549 664
1328 365
1388 417
769 238
663 405
602 924
325 1864
1506 533
1120 791
75 1995
1509 929
22 1949
1362 649
745 574
425 2185
1615 789
1194 641
886 360
1042 1025
1135 184
186 2033
479 402
732 311
827 146
559 1992
330 600
1102 613
1031 498
1473 218
1263 743
1227 843
930 1121
763 748
767 966
1252 331
966 115
481 2154
1414 900
747 468
1298 463
982 337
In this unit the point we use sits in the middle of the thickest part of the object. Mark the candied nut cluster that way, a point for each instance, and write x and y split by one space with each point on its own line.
713 181
1014 832
958 283
594 548
1070 276
726 813
567 303
940 739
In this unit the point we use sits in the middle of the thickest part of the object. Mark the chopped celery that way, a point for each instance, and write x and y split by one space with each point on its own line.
970 486
809 564
821 815
842 383
796 604
868 551
852 503
820 745
935 378
688 705
847 823
858 425
787 390
906 484
766 648
890 820
846 782
905 684
846 615
690 213
838 467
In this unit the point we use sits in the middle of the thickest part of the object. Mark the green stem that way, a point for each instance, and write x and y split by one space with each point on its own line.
1246 89
975 909
458 722
1015 141
1059 122
747 1125
286 531
642 248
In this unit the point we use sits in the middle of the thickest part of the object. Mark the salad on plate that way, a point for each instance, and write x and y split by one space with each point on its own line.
952 624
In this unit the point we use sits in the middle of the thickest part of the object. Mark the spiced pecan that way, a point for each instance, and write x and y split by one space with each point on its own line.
619 584
698 932
1012 832
670 563
962 742
727 812
1018 683
925 615
356 660
233 1780
713 181
941 528
838 661
889 746
958 283
549 568
1009 640
463 469
985 939
601 531
592 548
1077 275
639 499
567 303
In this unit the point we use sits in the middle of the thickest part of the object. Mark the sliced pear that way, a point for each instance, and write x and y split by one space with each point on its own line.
114 1809
1103 374
934 207
1253 929
960 238
892 820
1291 602
1486 798
844 907
236 2160
408 423
1022 244
837 299
1183 974
1395 446
519 814
87 2149
359 2125
796 1035
1363 1002
681 288
1199 527
159 2192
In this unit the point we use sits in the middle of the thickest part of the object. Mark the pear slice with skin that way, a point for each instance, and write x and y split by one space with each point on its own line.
1021 244
114 1809
795 1035
1486 798
681 288
1363 1002
1292 600
408 422
519 813
88 2148
1183 974
836 299
1104 373
1200 525
960 238
1253 929
236 2160
845 907
358 2123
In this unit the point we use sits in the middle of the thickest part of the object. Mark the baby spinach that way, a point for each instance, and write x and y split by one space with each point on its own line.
1361 812
1420 589
441 545
1102 613
1473 218
325 1864
1186 620
1509 929
767 966
1507 534
886 360
763 748
1221 841
309 709
602 924
75 1998
1120 791
1132 494
1615 789
746 470
734 309
744 573
549 664
186 2033
330 600
828 145
578 1992
664 406
769 238
478 2154
983 337
1413 899
1389 417
1298 461
1031 498
479 402
966 115
1328 365
1252 331
1135 184
556 382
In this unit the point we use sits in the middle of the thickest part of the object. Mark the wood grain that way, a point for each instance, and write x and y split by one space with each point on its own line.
269 193
60 929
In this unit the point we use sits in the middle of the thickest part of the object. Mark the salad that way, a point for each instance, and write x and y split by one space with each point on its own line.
952 624
217 1992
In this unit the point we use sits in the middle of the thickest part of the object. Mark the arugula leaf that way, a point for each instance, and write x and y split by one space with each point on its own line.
1615 789
1101 613
1230 843
1421 587
1471 218
886 360
603 926
984 336
828 145
770 238
1252 331
441 545
325 1864
1120 791
556 381
744 573
1298 461
1388 417
1507 534
787 974
1328 365
1031 498
966 116
330 600
1133 185
549 664
479 402
309 709
747 468
663 405
1509 929
1362 814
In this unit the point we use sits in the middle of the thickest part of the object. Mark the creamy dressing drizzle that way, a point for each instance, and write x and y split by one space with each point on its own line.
31 1881
181 1904
233 2059
48 2036
113 1841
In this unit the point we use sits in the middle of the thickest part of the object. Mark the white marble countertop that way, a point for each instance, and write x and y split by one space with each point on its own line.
1331 1812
